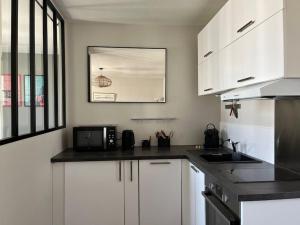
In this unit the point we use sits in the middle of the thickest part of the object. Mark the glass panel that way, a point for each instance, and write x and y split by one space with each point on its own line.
5 68
39 67
59 59
127 74
24 66
50 68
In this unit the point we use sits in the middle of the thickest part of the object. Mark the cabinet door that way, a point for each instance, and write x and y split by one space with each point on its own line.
188 194
249 14
193 203
131 192
231 65
199 199
160 192
208 75
226 31
208 40
263 52
94 193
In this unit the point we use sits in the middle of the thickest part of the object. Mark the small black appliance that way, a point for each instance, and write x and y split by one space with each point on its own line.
94 138
211 136
128 140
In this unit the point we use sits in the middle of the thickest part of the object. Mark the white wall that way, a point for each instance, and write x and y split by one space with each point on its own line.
254 128
26 176
26 179
192 112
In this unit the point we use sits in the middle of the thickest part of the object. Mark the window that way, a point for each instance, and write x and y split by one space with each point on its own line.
23 66
32 79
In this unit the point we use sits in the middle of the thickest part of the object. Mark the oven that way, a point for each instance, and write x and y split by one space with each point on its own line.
222 207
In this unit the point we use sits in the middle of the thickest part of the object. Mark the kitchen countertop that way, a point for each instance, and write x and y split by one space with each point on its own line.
250 191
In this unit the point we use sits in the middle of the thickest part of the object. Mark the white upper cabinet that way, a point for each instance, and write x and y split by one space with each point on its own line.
258 41
208 40
249 14
208 75
226 18
263 53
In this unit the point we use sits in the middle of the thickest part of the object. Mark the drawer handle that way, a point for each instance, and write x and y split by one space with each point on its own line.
193 168
245 79
247 25
209 89
208 54
160 163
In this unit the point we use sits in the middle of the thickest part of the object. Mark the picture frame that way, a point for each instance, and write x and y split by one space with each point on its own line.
39 90
6 81
133 74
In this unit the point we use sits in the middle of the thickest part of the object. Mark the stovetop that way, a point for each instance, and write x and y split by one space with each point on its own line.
249 175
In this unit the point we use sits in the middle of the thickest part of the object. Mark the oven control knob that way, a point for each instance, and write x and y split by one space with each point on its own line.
225 198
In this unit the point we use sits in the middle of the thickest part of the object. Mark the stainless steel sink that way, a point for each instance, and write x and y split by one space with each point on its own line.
228 158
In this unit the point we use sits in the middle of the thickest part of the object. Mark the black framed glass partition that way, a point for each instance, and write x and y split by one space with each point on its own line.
32 79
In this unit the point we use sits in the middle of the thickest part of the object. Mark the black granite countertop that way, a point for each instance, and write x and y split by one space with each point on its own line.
249 191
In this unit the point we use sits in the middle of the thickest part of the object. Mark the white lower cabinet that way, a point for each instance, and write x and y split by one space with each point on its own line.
193 203
160 192
131 178
200 201
145 192
95 193
275 212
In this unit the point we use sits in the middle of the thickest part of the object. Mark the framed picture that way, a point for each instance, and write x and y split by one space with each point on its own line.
126 74
39 91
6 82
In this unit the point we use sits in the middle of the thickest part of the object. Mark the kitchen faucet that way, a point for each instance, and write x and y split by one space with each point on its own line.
233 144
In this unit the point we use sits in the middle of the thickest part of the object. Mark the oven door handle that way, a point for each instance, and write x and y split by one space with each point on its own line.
222 210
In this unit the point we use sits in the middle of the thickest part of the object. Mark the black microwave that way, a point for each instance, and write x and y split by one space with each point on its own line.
94 138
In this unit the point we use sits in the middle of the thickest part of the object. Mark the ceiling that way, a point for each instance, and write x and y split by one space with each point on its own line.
152 12
127 62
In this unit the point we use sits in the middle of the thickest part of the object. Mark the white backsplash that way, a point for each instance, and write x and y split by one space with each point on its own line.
254 129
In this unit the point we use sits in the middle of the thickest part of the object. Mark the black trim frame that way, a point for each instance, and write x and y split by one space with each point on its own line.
63 66
32 67
45 60
14 71
55 69
89 73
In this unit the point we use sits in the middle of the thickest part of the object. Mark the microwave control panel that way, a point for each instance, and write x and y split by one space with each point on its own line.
111 138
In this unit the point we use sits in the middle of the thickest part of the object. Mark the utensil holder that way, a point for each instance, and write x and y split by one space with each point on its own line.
163 142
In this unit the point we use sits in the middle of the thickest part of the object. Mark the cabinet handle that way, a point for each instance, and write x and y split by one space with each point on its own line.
194 169
160 163
131 171
208 54
208 89
120 171
249 24
245 79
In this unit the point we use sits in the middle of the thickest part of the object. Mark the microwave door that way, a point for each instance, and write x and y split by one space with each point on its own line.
217 213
